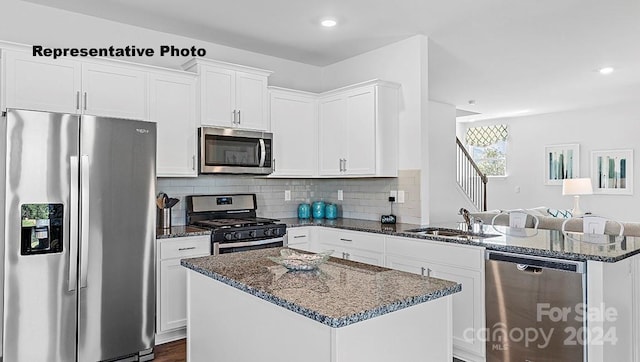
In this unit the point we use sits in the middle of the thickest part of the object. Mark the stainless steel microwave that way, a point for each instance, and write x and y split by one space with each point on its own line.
227 150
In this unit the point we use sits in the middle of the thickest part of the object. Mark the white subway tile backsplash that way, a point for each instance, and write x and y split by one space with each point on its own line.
364 198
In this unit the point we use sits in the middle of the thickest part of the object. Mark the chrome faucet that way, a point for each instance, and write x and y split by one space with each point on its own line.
465 215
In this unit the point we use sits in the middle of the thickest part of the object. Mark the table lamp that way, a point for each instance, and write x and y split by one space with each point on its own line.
577 187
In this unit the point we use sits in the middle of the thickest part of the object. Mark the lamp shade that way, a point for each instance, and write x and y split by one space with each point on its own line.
577 186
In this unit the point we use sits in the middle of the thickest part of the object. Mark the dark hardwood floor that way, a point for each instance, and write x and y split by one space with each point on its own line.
175 351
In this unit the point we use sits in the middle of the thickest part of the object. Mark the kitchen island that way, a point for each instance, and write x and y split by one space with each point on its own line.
244 307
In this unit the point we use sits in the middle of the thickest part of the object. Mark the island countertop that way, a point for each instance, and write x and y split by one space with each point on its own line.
338 294
533 242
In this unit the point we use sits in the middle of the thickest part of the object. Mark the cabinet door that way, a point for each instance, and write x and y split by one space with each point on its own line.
293 123
42 85
217 97
468 305
365 256
173 107
361 133
251 101
332 136
173 295
114 91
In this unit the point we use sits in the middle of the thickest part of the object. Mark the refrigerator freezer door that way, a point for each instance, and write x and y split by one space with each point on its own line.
39 304
116 294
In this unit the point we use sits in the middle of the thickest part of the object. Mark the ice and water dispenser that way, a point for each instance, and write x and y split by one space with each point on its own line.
41 229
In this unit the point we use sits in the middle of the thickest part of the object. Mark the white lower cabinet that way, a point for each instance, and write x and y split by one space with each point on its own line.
299 238
351 245
460 263
171 299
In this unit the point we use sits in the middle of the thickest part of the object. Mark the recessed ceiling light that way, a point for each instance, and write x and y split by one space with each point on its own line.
328 22
606 70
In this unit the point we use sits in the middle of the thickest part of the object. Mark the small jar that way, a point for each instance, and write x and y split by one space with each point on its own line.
304 211
318 209
331 211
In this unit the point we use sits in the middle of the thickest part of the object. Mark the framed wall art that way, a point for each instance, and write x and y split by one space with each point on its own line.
612 172
561 162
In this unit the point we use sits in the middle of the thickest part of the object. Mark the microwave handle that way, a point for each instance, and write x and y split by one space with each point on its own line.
263 152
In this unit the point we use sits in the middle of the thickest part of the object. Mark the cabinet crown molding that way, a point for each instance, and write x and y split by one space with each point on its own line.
372 82
230 66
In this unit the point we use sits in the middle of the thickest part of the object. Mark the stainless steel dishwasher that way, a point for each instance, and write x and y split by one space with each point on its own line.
534 308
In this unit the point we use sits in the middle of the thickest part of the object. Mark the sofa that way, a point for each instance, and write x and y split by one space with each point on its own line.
552 219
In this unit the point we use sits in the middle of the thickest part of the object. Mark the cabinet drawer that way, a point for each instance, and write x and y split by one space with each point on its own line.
185 247
352 239
468 257
297 236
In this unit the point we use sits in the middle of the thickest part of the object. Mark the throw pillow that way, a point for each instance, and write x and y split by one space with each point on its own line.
565 214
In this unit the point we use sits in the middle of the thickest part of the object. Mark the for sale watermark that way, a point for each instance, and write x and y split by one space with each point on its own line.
552 325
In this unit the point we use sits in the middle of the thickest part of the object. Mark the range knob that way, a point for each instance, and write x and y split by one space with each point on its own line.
237 235
252 233
228 236
268 232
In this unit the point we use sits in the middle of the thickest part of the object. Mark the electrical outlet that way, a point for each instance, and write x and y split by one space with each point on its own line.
340 195
400 197
394 194
287 195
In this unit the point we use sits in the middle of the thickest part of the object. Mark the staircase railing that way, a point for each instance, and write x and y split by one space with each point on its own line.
470 179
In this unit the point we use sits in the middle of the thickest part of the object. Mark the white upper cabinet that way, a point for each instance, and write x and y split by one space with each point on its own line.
42 85
294 125
358 131
71 86
114 91
231 95
172 105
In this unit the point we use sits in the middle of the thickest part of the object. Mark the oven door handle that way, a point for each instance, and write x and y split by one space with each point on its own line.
248 243
263 152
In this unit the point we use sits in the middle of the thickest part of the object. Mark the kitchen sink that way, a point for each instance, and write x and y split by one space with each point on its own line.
436 231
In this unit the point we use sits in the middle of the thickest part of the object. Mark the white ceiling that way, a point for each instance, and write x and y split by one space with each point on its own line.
512 57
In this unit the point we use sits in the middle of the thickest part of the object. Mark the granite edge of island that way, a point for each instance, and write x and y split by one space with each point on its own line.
314 315
392 230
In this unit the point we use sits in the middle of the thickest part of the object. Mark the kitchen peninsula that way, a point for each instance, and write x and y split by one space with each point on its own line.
244 307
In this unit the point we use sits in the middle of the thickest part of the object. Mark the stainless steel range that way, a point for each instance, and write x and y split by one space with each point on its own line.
233 222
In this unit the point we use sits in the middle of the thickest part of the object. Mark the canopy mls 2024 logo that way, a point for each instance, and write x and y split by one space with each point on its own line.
117 52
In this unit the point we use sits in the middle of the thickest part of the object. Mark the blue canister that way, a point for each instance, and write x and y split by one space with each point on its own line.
318 209
331 211
304 211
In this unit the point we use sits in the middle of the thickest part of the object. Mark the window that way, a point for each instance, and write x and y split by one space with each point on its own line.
488 148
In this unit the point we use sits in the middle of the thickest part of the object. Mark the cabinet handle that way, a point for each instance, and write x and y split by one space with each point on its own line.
193 162
239 117
234 116
78 100
340 165
347 240
299 236
85 101
273 165
347 256
345 165
189 248
344 255
423 269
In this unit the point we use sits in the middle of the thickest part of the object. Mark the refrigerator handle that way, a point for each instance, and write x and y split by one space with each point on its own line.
84 220
73 224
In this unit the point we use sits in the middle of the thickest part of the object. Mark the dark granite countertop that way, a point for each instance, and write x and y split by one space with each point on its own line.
180 231
339 293
546 243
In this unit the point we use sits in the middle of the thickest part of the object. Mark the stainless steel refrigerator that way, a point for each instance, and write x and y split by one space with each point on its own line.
78 229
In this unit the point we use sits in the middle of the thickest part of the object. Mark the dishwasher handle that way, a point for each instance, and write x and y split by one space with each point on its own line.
539 262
